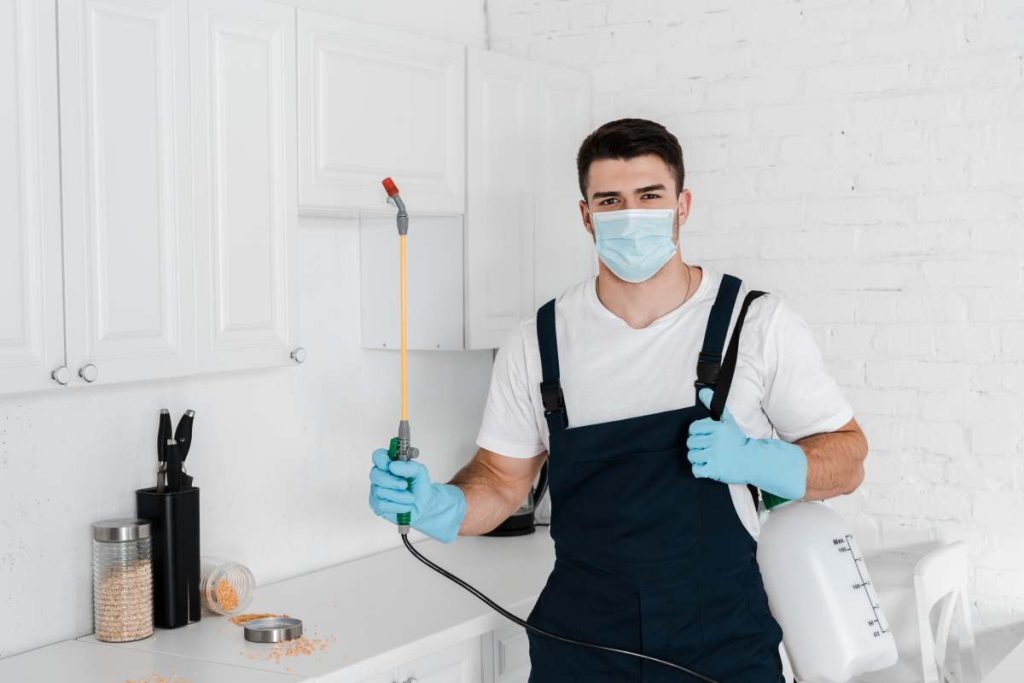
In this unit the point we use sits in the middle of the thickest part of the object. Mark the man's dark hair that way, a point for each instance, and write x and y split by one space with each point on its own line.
628 139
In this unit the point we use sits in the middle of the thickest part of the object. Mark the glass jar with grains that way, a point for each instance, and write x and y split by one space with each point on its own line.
225 587
122 575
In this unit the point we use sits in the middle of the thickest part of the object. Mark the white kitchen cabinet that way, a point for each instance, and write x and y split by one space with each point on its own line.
461 663
388 676
434 267
31 310
524 239
243 180
125 171
458 664
153 228
501 129
507 655
375 102
563 251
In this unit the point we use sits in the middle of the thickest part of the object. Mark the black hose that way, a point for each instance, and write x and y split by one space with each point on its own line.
539 631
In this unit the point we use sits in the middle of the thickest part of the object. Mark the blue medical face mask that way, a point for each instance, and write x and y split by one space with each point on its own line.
634 243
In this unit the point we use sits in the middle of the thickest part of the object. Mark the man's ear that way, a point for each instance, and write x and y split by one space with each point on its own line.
588 222
683 206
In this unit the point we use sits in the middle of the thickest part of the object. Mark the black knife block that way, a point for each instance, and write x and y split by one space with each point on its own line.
174 519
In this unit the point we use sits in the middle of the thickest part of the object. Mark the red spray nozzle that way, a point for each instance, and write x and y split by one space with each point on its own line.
403 216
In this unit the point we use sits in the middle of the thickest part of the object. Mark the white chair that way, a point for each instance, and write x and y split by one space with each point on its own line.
941 577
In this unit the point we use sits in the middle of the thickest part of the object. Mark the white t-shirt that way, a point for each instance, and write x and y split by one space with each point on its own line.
610 371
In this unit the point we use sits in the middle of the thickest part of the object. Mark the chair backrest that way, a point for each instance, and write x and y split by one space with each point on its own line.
940 577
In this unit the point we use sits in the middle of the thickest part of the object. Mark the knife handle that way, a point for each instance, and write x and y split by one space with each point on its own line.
163 434
183 433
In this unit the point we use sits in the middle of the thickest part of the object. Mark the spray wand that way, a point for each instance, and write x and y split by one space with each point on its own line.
401 447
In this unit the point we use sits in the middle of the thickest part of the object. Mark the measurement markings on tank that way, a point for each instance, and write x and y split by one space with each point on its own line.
847 545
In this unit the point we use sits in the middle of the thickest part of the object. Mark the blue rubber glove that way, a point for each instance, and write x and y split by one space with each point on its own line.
721 451
437 509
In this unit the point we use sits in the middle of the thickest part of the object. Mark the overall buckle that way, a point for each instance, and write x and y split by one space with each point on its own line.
708 367
551 396
554 405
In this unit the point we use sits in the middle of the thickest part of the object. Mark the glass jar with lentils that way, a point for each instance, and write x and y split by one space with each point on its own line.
122 575
225 587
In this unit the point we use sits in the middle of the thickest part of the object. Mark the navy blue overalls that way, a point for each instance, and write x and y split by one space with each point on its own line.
648 557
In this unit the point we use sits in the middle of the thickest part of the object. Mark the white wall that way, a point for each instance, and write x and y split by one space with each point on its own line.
281 456
865 159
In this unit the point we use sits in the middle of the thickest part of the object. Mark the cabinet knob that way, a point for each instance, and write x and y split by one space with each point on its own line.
88 372
61 375
299 355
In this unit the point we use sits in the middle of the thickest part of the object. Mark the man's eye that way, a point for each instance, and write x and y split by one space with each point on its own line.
651 195
607 202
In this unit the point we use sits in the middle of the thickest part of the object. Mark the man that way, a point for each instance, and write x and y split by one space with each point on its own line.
653 522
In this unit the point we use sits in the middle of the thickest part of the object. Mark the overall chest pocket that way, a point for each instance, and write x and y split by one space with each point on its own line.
634 507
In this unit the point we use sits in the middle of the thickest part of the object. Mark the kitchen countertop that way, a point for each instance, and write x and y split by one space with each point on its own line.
371 612
82 662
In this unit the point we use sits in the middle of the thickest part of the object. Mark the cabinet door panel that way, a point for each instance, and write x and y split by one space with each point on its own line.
511 654
459 664
243 99
124 151
563 249
499 211
31 310
373 103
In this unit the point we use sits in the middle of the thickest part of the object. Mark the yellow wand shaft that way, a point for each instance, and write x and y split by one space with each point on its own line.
405 369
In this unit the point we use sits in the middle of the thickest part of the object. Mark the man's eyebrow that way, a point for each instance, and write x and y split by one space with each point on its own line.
650 188
608 193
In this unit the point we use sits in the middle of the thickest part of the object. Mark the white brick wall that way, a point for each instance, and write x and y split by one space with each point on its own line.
866 159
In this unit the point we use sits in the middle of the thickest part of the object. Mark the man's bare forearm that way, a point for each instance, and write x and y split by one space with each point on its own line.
494 486
835 461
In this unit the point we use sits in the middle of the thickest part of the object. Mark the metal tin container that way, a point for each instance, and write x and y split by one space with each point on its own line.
273 630
122 574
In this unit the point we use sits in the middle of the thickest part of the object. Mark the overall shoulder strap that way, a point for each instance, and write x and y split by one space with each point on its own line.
709 361
550 386
728 368
724 375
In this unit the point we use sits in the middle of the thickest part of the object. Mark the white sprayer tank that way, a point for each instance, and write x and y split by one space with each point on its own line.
820 593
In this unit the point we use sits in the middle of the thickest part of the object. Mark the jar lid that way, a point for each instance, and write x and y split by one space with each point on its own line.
122 529
273 630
